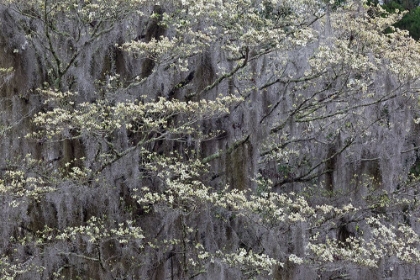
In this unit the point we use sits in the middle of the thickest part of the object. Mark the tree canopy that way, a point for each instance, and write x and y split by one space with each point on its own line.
207 139
410 21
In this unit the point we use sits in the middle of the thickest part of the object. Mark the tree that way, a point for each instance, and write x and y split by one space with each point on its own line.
406 4
189 138
411 22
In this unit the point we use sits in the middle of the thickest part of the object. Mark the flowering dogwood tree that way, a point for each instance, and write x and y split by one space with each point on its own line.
207 139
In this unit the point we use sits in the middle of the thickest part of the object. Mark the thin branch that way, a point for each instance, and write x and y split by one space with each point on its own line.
79 256
224 76
229 150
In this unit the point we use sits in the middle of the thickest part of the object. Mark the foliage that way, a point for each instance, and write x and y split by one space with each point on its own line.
406 4
292 96
411 22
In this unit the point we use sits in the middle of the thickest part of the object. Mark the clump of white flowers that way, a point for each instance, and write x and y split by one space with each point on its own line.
260 44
